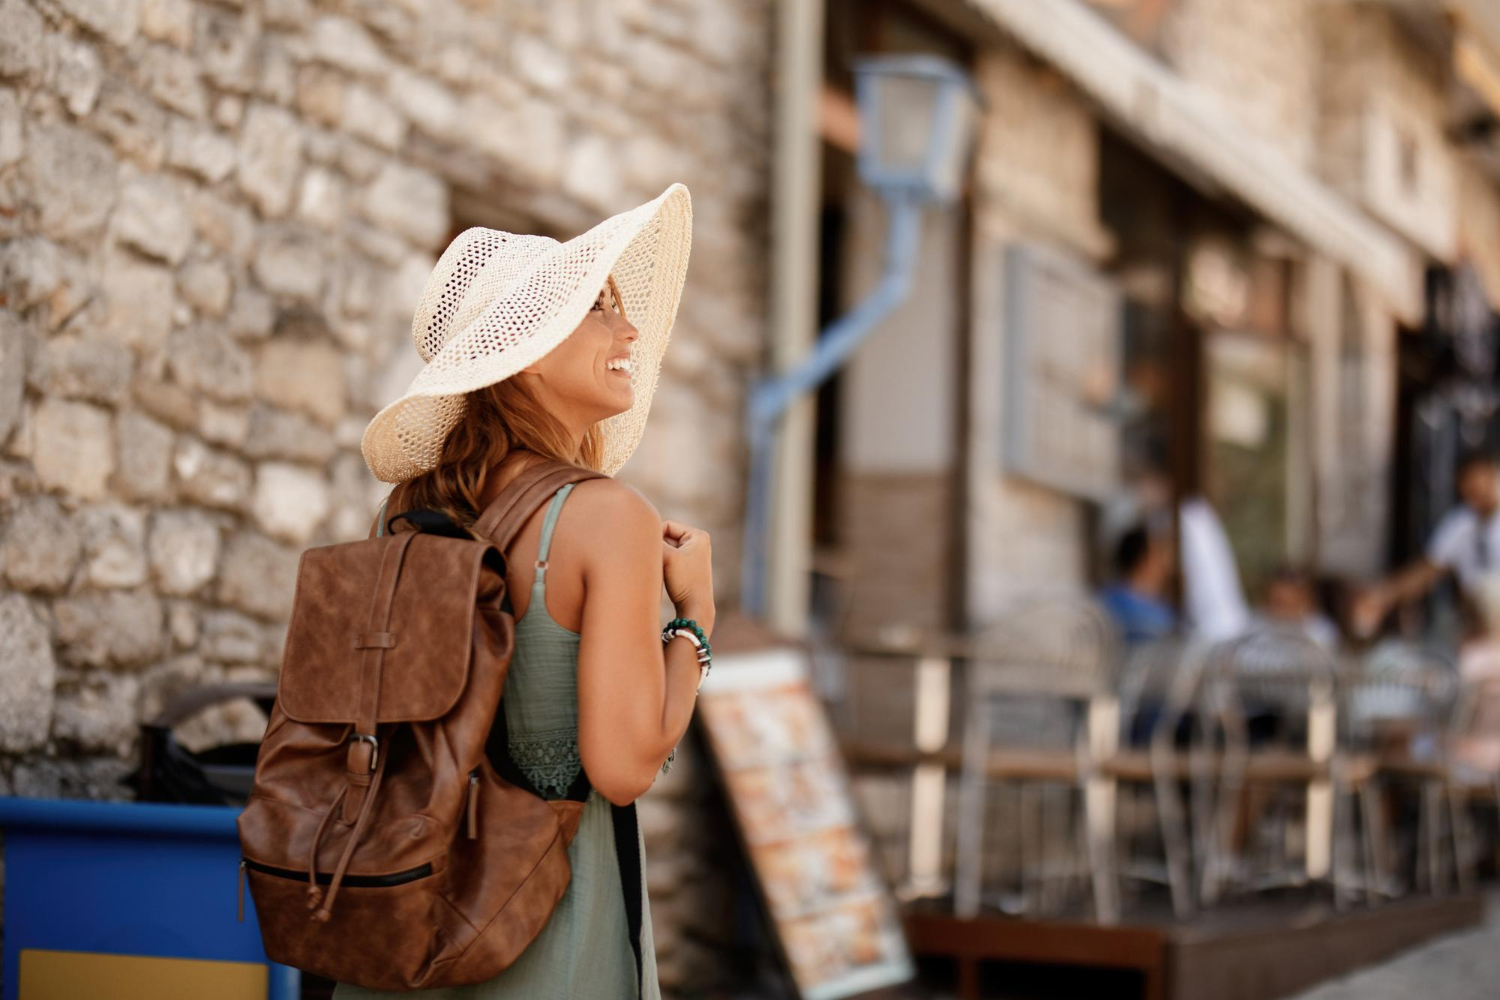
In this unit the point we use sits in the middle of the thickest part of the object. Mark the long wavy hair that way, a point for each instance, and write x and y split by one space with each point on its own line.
499 419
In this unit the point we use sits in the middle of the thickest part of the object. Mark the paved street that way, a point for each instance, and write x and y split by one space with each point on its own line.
1457 967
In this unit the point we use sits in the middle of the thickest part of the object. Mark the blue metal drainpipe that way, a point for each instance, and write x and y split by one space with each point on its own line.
772 397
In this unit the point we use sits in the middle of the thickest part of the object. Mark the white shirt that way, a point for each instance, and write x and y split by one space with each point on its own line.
1462 544
1212 595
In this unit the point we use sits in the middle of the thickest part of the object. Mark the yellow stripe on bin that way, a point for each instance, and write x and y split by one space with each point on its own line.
74 975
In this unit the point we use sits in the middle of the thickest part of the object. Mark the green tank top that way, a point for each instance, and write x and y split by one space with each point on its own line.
585 949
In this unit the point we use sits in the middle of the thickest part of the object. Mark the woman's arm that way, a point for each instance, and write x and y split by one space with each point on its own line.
635 695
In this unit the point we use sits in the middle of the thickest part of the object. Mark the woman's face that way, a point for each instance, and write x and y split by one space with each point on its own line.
586 378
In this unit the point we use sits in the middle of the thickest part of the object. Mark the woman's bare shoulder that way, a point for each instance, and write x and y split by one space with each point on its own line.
609 510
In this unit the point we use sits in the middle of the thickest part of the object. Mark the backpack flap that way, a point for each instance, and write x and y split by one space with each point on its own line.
403 604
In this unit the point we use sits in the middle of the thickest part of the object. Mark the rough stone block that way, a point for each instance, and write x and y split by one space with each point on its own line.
320 94
114 545
205 360
12 144
22 32
258 576
224 424
224 42
27 673
225 226
270 156
72 177
116 20
289 263
152 217
231 637
182 623
76 73
184 548
592 173
12 371
206 286
429 106
321 201
409 201
74 448
97 713
209 476
498 131
372 118
302 375
252 314
346 44
30 269
289 501
41 545
171 76
229 111
79 367
122 628
139 301
168 21
165 401
541 64
144 449
135 123
200 150
286 13
277 433
278 74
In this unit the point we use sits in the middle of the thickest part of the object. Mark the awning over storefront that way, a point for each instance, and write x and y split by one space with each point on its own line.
1200 139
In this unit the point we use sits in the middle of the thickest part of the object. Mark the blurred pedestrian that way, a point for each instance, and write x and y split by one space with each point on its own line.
1465 544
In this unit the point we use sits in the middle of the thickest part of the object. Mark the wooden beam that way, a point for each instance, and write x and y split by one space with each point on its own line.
1196 135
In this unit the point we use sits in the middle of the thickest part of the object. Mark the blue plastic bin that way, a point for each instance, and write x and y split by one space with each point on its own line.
138 896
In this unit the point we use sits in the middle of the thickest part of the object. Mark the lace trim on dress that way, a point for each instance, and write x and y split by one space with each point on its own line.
549 759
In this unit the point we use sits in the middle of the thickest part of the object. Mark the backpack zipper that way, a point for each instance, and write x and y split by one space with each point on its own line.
325 878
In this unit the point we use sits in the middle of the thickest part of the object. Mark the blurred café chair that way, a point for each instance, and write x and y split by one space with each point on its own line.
1269 698
1158 687
1041 714
1400 707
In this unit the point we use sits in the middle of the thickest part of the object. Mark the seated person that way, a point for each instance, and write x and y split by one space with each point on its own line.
1137 599
1291 603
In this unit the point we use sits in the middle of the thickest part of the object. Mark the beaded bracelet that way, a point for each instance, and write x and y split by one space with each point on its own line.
689 630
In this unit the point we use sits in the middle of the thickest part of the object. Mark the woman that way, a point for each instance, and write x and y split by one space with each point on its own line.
538 350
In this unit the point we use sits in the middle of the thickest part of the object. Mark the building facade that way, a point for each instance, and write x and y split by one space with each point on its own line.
215 221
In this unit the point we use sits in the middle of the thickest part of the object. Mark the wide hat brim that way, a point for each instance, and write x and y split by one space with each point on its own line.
497 302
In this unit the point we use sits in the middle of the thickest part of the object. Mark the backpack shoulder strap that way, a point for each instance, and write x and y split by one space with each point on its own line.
501 521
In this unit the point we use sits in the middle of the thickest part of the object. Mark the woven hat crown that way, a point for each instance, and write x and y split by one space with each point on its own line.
478 267
497 302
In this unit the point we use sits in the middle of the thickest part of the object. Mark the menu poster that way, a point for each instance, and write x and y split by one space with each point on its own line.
836 921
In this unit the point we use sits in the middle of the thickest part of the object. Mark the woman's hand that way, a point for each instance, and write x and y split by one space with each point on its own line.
687 568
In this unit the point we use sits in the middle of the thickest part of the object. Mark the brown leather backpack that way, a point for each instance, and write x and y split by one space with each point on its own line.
382 846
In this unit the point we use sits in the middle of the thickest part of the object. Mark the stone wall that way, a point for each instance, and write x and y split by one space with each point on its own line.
215 219
1036 180
1383 112
1259 61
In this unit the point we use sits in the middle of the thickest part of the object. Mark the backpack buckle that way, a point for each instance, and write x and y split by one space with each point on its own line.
374 746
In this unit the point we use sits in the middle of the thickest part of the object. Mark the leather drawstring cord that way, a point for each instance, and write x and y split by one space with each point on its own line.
326 910
314 894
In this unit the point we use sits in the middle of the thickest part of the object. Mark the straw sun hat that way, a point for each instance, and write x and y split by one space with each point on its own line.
497 302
